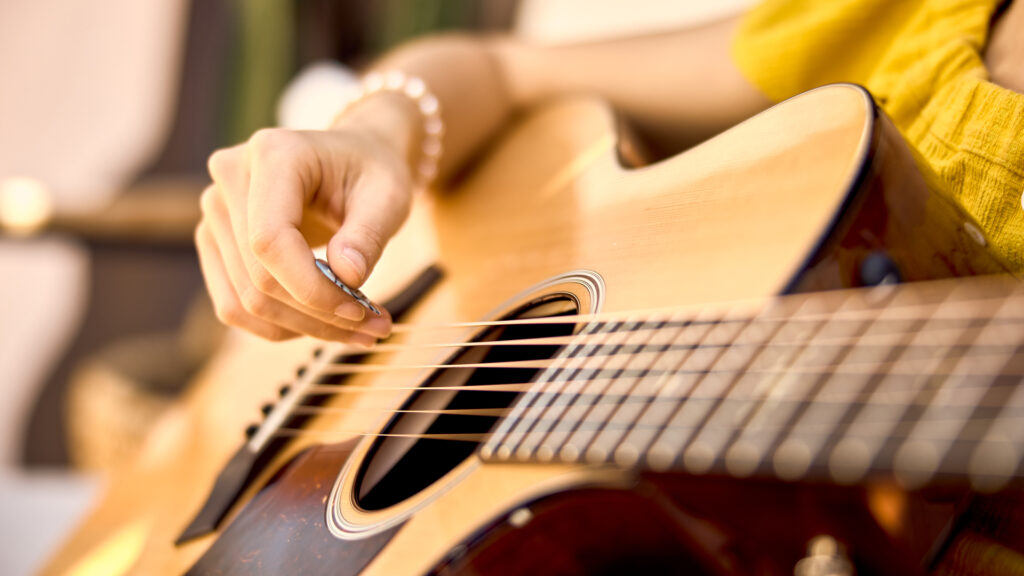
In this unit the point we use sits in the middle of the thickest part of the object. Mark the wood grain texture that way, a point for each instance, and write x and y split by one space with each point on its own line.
282 530
736 217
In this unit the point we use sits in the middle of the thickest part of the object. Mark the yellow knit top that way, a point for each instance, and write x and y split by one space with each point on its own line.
922 60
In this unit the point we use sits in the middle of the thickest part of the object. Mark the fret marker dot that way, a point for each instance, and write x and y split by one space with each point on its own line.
698 458
915 464
742 459
660 457
849 461
569 453
792 460
992 464
596 454
626 455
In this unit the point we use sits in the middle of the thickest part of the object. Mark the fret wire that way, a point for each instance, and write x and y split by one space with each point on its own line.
999 454
927 349
512 422
858 368
838 400
925 448
613 395
802 445
750 388
852 455
945 426
582 412
756 440
972 437
384 347
574 399
664 384
600 444
577 373
722 329
945 419
557 408
992 287
544 390
691 415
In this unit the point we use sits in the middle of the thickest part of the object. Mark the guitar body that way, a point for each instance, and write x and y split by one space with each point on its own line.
794 199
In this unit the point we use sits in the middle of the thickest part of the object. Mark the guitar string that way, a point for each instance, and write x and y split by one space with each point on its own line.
862 340
845 400
543 364
855 399
858 400
842 367
967 433
875 467
568 320
1001 294
385 347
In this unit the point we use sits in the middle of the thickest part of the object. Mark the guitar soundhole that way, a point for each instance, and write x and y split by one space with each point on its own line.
398 467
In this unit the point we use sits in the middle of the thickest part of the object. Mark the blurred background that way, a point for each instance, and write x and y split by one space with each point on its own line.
108 111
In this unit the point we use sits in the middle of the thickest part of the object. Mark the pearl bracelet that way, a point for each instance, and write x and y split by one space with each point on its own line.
416 90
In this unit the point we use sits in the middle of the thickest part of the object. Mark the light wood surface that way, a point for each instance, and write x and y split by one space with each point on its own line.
733 218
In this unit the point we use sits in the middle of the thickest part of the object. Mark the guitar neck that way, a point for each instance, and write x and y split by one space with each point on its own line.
918 381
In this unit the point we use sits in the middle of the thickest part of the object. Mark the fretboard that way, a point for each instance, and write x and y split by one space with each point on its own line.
920 381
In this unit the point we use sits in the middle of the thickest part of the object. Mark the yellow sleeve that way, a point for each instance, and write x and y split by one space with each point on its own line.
790 46
923 62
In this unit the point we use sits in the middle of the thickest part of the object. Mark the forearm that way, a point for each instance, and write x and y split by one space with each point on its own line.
679 87
350 187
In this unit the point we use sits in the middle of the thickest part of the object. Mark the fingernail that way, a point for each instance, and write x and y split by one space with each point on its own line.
350 311
378 326
356 259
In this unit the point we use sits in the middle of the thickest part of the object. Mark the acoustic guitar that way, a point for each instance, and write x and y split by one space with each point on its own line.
739 360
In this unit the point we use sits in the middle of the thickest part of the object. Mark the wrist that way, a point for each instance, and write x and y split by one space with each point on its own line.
397 119
388 117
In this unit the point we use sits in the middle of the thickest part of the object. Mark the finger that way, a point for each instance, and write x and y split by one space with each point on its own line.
374 210
258 301
228 167
240 261
281 178
226 304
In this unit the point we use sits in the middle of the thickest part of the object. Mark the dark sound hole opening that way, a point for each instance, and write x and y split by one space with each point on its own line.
397 468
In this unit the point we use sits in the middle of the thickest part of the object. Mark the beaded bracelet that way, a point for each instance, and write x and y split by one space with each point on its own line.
415 89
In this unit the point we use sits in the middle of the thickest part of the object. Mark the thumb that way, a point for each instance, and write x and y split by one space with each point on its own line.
374 210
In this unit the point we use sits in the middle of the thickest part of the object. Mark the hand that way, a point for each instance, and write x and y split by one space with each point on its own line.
277 195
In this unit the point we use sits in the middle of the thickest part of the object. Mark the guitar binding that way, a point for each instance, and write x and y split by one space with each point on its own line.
392 475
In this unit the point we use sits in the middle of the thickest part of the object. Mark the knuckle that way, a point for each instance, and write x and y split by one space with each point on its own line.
272 141
219 164
208 200
255 302
307 295
198 235
371 237
229 311
263 241
262 279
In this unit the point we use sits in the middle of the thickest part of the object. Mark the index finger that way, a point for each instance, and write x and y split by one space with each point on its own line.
277 198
